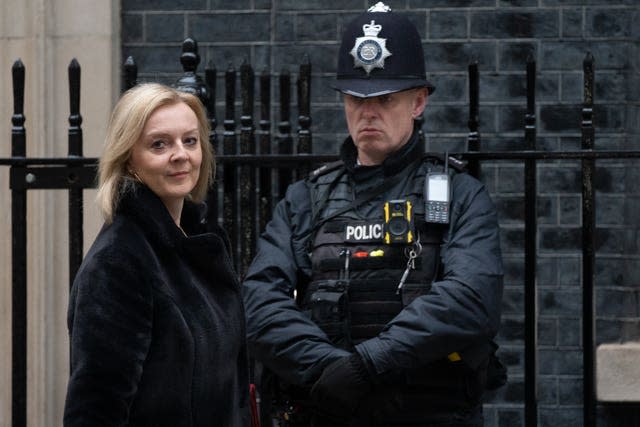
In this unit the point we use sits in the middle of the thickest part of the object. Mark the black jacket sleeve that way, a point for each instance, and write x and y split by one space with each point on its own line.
110 320
279 334
462 310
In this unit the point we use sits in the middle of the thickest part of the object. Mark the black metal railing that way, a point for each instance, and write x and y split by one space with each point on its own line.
251 177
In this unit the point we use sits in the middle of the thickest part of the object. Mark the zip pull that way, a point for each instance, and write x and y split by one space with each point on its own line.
344 273
411 253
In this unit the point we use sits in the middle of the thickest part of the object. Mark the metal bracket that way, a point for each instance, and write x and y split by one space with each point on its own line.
52 177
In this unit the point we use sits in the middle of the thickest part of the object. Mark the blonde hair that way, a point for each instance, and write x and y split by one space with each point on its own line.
127 122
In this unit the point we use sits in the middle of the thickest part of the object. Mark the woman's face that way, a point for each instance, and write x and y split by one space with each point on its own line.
168 155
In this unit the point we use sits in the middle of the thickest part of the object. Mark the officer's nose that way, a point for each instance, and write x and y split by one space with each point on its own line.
369 108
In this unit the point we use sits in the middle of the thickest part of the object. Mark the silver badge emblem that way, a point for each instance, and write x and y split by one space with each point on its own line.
370 51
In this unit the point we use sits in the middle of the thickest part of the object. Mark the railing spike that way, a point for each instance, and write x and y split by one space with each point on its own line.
190 59
18 132
190 81
130 69
74 71
17 71
473 140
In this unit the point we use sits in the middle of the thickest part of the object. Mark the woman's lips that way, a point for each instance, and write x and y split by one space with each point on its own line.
178 174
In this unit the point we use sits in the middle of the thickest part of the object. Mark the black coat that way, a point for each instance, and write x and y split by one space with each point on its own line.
457 313
157 324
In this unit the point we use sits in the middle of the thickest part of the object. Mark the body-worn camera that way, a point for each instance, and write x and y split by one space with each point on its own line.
398 222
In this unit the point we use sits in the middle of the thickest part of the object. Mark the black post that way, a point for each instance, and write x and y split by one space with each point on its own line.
190 81
212 195
18 259
75 193
229 179
130 71
530 239
266 205
304 113
473 140
247 176
285 141
588 248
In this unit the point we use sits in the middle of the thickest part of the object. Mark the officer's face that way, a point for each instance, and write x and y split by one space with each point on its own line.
382 124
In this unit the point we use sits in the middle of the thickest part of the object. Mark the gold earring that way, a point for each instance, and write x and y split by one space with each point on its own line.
136 176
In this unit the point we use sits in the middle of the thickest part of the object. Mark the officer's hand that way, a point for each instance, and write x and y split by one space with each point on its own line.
342 386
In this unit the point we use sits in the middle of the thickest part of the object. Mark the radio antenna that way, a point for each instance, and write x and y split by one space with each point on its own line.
446 162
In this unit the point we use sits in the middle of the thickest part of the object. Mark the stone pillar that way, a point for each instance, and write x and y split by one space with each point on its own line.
46 35
618 372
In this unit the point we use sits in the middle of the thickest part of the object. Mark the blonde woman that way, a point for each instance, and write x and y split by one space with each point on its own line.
155 315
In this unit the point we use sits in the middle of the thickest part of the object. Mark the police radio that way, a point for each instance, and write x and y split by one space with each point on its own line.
437 196
398 222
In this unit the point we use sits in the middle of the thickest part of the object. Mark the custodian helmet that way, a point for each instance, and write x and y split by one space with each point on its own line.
381 53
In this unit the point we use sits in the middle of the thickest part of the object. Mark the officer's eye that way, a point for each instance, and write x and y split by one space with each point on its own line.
385 99
355 100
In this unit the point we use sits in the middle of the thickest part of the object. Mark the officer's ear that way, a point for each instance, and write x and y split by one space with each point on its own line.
420 99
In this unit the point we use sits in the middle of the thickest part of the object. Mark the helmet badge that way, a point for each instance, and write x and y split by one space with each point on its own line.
370 51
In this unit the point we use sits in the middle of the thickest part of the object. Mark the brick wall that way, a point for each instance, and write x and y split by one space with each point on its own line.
500 35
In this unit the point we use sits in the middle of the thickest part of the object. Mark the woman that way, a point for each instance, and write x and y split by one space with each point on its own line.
155 314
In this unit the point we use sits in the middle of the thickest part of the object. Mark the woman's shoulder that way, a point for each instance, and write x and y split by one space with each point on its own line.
121 244
123 234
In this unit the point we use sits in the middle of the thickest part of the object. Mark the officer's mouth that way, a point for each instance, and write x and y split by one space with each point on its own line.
369 131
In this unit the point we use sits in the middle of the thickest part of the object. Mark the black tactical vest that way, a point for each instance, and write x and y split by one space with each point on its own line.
354 289
353 293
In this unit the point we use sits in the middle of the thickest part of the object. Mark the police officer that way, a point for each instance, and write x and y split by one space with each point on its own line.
375 293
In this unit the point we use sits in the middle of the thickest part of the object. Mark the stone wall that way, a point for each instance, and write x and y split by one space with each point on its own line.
46 36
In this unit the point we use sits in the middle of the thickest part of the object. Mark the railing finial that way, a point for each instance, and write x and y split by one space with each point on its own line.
130 71
18 132
191 82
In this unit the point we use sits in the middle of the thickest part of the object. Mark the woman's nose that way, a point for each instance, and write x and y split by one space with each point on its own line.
180 152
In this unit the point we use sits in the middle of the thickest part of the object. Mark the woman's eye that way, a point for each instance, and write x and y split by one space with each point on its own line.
192 140
157 145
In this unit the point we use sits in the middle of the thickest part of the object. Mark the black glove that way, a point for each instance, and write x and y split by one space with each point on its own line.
342 386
